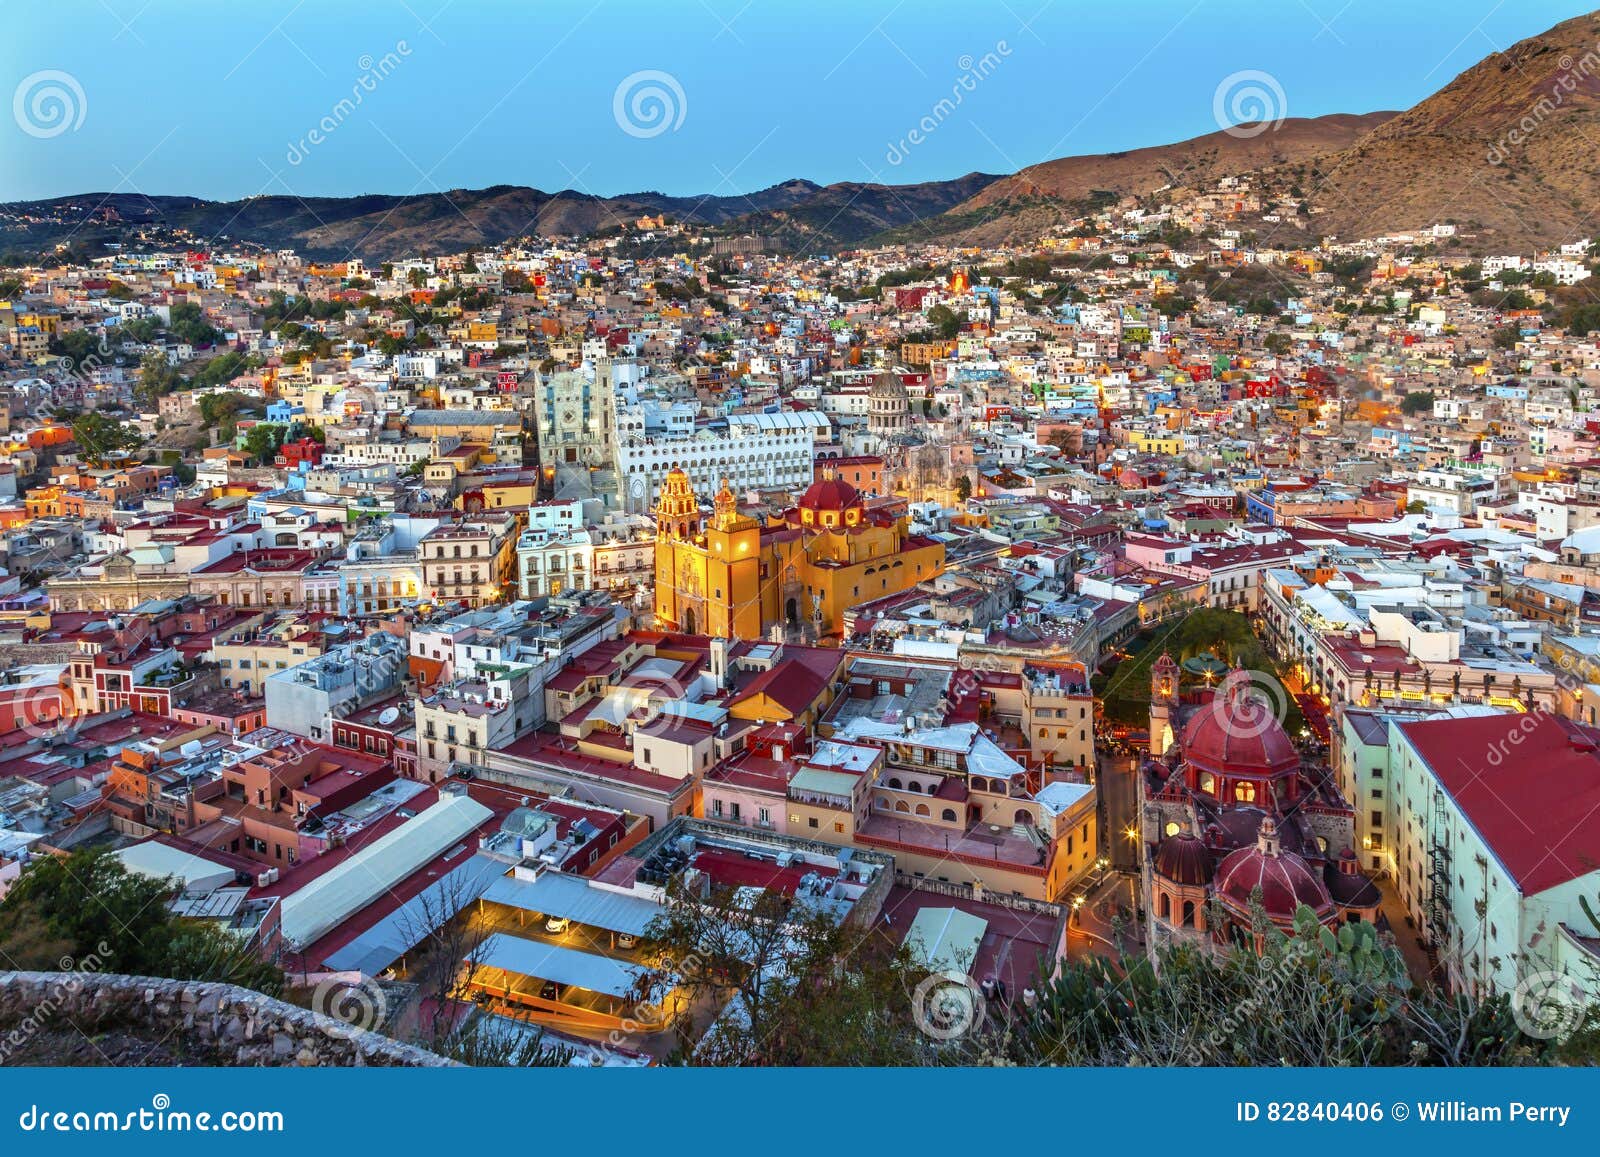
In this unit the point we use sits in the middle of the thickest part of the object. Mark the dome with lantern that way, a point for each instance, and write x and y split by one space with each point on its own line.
1238 733
1285 881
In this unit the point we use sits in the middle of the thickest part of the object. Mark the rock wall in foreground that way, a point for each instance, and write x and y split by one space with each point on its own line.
218 1024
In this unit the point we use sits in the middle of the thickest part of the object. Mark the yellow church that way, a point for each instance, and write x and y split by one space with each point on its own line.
737 578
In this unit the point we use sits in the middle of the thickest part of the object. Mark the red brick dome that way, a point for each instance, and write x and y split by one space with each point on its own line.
1238 732
1183 859
830 492
1286 881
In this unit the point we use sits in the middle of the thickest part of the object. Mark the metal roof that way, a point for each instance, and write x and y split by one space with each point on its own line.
558 894
562 965
401 930
946 939
345 889
156 859
826 782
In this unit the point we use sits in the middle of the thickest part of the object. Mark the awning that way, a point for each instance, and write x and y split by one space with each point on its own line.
563 965
403 929
557 894
946 939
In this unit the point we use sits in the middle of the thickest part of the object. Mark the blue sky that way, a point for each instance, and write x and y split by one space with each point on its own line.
234 99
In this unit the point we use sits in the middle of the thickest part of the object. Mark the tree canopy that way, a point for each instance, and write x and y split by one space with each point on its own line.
87 905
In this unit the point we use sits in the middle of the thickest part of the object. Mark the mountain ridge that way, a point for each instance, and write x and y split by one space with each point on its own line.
1506 147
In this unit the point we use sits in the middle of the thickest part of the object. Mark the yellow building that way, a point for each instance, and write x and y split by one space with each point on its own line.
736 578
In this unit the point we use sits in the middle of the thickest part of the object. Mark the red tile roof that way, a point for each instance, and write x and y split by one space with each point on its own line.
1528 784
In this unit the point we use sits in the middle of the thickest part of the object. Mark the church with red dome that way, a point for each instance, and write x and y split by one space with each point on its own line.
1237 827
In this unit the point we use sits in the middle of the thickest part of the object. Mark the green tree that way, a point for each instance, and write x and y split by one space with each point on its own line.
945 321
963 488
781 962
262 441
189 324
99 435
87 905
1416 402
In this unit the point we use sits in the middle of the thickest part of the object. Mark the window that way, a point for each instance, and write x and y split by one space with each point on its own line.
1377 819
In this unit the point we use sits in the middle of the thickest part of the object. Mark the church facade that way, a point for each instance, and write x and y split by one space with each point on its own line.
735 577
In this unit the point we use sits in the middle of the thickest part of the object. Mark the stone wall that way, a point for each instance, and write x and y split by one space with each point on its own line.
219 1024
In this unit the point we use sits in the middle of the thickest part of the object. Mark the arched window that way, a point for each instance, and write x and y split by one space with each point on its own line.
922 810
948 815
894 782
900 805
1188 913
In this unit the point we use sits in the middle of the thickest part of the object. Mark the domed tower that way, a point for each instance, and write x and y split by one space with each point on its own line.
1163 704
1179 879
1236 753
888 406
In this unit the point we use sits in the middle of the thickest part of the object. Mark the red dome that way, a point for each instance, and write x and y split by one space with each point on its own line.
830 493
1286 881
1238 731
1183 859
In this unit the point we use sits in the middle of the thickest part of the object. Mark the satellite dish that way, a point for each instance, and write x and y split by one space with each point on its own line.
389 715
